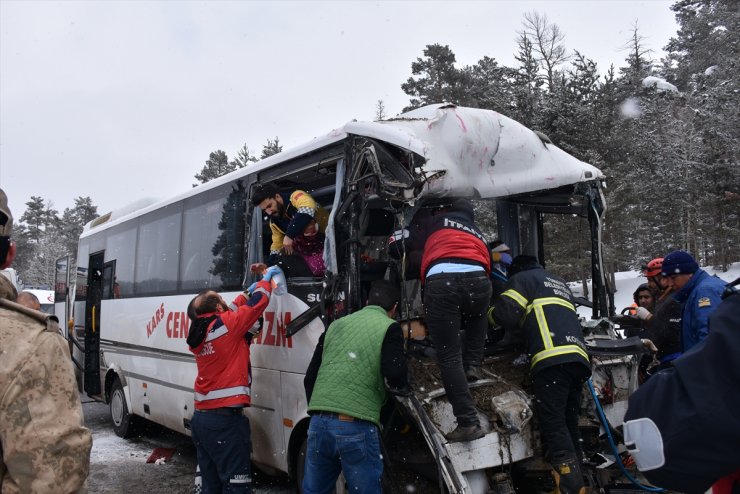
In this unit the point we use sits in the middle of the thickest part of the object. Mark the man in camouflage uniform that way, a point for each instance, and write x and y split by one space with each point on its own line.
45 448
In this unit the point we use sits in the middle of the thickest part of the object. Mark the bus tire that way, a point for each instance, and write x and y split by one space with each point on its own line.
124 424
300 465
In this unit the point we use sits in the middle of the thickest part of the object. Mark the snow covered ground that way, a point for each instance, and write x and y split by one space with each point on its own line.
628 281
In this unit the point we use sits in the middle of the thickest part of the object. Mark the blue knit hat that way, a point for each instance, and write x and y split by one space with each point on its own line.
679 262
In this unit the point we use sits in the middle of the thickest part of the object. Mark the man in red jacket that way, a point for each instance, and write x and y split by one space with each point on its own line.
219 337
455 269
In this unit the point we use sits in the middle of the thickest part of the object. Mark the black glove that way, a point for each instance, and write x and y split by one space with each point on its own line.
631 321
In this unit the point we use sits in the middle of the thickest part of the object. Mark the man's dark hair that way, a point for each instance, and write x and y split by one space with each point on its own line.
202 304
642 288
263 191
384 293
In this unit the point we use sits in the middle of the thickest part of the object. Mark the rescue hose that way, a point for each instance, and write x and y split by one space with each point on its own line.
607 428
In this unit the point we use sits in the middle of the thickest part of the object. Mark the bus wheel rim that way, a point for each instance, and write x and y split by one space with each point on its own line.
116 408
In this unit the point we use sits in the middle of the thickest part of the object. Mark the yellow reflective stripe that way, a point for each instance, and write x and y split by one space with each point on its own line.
551 301
544 328
557 351
516 296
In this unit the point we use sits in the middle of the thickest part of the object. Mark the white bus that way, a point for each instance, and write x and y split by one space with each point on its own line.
137 270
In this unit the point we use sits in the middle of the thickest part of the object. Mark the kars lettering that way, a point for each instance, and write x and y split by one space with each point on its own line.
273 331
156 319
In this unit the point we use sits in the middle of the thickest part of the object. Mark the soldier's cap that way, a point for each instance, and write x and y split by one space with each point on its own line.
6 219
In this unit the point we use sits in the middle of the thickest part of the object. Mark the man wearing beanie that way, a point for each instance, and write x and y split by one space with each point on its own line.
697 292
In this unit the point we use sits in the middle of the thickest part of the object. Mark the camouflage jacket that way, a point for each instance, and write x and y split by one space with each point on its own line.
44 446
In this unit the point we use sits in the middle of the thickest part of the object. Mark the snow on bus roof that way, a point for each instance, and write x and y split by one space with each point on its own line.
481 152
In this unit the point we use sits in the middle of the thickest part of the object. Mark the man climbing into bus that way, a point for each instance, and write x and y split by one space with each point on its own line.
455 269
345 391
294 219
219 336
542 305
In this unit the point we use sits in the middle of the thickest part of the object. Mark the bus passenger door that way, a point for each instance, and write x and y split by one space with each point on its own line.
92 324
62 302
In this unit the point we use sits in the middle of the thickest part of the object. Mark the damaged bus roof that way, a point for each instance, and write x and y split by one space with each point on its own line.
482 151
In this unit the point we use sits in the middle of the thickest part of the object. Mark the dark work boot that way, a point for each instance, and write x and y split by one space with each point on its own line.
568 477
465 433
473 374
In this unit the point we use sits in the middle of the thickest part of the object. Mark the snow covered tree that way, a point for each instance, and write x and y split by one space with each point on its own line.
73 222
272 147
488 86
43 237
547 44
243 158
526 84
437 79
216 166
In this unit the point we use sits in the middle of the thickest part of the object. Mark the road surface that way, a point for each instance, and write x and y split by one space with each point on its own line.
119 465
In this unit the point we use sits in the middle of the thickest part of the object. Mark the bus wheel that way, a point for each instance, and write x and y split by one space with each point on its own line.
124 423
300 466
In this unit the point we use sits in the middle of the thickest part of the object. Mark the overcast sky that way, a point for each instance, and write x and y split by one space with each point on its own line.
124 100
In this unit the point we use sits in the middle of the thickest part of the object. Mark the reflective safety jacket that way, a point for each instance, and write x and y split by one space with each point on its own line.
542 304
224 371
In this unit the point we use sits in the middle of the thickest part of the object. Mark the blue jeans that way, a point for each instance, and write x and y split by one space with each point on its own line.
336 446
223 444
456 305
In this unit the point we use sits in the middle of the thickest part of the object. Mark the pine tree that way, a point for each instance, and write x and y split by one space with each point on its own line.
73 222
638 61
437 81
527 84
488 86
38 217
243 158
272 147
380 110
216 166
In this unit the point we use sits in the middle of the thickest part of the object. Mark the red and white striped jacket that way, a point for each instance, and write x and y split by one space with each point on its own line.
224 370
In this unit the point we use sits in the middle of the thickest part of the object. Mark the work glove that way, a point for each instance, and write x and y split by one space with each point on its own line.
643 314
502 258
270 272
262 286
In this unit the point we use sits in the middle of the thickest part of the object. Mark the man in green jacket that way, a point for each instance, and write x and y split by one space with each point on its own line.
345 390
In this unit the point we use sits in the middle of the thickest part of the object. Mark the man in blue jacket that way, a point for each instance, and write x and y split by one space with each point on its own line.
682 426
697 292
